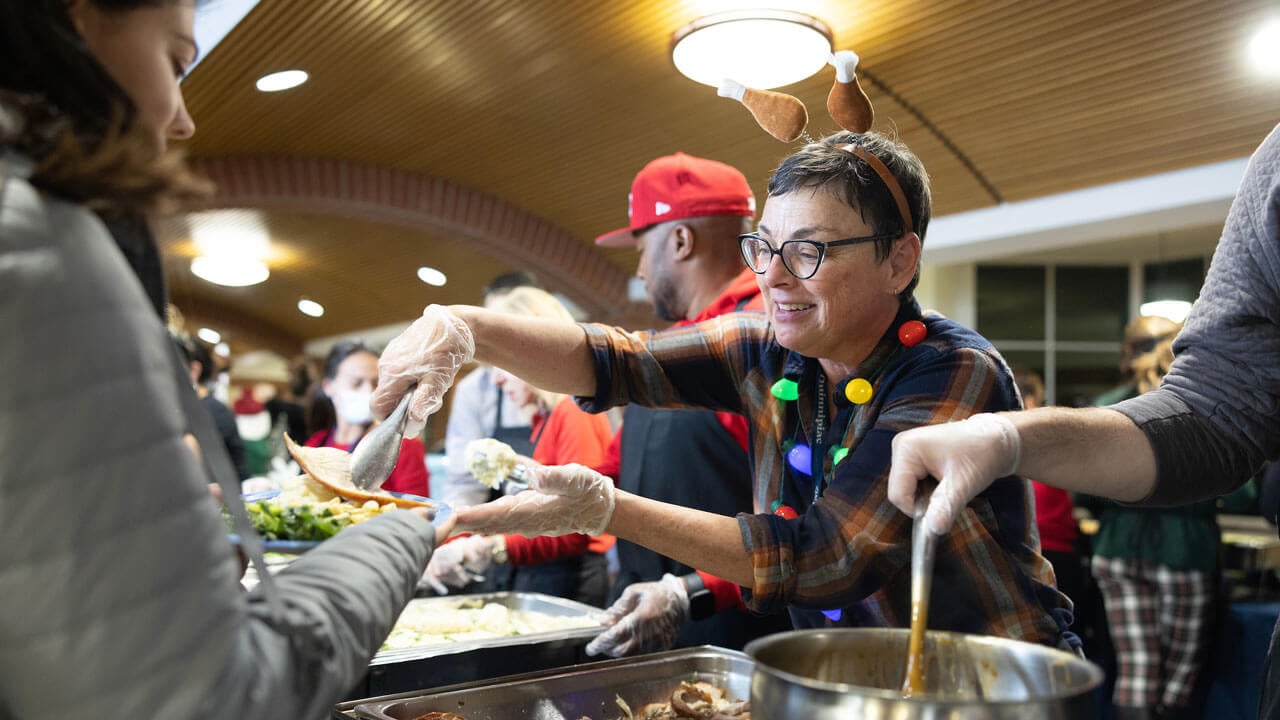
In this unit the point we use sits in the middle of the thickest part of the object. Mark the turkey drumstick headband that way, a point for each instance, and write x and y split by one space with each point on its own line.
784 117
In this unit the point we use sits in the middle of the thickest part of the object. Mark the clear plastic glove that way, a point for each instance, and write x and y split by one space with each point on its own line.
647 618
427 354
561 500
457 563
965 457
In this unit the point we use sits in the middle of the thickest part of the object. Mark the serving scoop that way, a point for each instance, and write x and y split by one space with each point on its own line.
923 551
376 454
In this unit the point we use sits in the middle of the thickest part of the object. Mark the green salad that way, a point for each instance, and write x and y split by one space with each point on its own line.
296 522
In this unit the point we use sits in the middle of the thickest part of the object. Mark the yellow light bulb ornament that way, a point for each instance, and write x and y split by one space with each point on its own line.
858 391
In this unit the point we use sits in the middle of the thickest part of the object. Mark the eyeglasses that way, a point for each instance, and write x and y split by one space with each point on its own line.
801 258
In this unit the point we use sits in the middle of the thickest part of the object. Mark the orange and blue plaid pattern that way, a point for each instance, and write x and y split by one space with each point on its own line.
846 559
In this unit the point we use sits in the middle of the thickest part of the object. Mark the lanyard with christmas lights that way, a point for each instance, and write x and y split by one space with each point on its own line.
850 392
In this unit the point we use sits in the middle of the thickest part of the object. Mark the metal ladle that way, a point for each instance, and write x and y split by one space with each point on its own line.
923 551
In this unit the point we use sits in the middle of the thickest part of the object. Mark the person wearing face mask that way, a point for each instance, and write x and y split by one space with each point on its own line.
119 588
338 415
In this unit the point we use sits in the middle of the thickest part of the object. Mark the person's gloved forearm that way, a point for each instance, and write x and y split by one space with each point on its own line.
561 499
647 618
427 354
456 563
965 457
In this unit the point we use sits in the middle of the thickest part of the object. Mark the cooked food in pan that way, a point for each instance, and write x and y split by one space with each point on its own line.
696 700
429 622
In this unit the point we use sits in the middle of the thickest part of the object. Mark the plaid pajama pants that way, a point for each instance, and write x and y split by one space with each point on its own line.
1154 613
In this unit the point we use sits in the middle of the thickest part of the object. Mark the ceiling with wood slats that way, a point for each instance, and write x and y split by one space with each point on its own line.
551 106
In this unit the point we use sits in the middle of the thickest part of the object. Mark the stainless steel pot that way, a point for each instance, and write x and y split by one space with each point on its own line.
843 673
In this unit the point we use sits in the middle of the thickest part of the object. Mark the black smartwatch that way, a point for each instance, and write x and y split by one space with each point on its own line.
702 603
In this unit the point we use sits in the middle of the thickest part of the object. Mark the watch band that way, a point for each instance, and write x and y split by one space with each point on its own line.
702 602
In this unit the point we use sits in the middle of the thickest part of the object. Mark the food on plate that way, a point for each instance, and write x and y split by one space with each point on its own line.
490 461
331 467
305 510
430 622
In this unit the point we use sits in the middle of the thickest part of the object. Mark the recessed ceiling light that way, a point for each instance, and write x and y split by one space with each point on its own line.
222 350
310 307
1264 47
230 272
432 276
209 335
283 80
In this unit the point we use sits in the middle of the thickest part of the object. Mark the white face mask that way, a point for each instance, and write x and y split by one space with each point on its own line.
353 406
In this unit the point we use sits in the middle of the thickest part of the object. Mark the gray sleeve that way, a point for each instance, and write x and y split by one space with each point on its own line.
1216 416
118 587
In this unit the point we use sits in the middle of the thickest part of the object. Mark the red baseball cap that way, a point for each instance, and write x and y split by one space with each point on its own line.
680 186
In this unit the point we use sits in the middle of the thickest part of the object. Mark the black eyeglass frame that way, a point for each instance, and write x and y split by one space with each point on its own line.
819 244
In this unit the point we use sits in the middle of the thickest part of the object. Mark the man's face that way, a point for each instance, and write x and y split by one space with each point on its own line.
656 268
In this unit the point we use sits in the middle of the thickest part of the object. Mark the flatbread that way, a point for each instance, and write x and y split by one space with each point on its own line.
331 467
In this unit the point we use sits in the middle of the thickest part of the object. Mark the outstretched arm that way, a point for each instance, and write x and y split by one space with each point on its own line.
1092 450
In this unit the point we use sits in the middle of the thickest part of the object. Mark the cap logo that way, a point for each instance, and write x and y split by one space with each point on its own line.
628 205
751 203
661 208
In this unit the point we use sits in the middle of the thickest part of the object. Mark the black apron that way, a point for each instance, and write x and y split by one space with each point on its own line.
688 458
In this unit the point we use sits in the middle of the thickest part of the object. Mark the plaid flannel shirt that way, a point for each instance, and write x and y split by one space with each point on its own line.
846 559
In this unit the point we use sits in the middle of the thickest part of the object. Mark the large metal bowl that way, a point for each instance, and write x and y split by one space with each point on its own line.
842 673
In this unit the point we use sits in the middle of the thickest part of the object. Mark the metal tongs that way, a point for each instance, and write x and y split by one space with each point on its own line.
377 452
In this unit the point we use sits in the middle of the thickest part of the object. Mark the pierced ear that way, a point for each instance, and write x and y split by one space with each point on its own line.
905 257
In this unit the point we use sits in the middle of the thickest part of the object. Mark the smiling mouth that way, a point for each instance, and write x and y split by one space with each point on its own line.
792 307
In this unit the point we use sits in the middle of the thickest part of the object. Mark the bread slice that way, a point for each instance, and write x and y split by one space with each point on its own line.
331 467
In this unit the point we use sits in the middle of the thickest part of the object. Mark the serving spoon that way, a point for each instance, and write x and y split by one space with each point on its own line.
376 454
923 550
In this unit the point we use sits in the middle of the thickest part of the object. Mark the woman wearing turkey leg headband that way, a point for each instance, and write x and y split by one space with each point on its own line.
842 361
1204 432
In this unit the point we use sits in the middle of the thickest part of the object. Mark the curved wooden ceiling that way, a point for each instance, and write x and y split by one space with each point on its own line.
550 107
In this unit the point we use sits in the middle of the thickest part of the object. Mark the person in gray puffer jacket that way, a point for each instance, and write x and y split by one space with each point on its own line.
119 593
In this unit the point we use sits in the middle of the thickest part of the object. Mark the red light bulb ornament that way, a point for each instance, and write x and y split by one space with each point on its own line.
911 332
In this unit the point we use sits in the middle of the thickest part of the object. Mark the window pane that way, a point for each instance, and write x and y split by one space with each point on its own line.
1011 302
1083 376
1092 303
1178 280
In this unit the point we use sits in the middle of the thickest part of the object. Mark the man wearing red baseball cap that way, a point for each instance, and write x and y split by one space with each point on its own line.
686 215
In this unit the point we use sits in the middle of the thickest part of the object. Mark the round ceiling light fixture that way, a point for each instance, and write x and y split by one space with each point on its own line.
283 80
230 271
209 335
310 308
432 276
761 49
